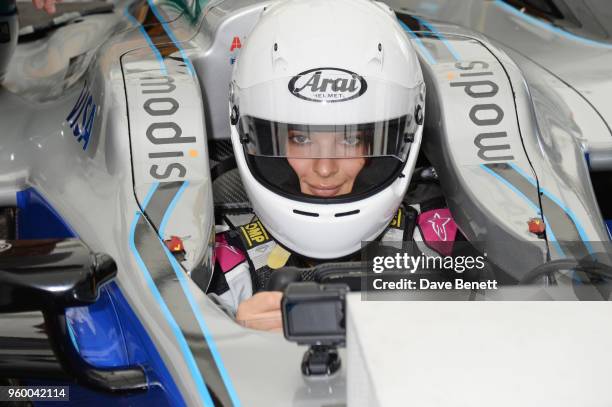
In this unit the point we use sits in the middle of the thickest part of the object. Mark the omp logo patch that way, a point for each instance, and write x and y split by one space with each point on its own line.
254 234
327 85
81 117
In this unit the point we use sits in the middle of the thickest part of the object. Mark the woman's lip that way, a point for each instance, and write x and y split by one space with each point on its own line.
324 187
325 191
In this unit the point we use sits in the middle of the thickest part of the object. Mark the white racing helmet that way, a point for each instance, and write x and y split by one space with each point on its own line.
326 111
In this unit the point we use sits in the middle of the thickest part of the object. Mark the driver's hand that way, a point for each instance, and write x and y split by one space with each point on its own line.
261 311
48 5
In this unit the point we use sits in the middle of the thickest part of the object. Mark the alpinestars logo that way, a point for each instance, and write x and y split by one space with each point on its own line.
327 85
438 224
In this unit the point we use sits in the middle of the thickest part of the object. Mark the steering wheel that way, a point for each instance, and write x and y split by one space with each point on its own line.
349 273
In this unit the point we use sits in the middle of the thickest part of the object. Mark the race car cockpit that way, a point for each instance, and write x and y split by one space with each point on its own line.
121 136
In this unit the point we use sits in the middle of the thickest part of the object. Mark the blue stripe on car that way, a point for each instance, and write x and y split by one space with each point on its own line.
180 274
549 231
129 321
188 356
162 65
172 37
441 36
426 52
170 209
560 204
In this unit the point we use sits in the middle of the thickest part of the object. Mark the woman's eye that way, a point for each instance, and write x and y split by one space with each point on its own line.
299 139
351 140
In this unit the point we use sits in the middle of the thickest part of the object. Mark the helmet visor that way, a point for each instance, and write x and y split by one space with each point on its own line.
389 138
328 113
330 136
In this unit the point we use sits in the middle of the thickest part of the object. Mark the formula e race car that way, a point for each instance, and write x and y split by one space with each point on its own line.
113 142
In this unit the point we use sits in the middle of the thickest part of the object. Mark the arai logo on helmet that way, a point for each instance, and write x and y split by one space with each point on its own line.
327 85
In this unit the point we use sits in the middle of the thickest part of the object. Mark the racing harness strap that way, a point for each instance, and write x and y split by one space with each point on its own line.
253 247
264 254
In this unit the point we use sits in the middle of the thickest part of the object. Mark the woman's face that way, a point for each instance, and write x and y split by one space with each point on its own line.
334 172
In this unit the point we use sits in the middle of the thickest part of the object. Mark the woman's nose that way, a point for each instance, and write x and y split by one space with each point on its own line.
325 167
